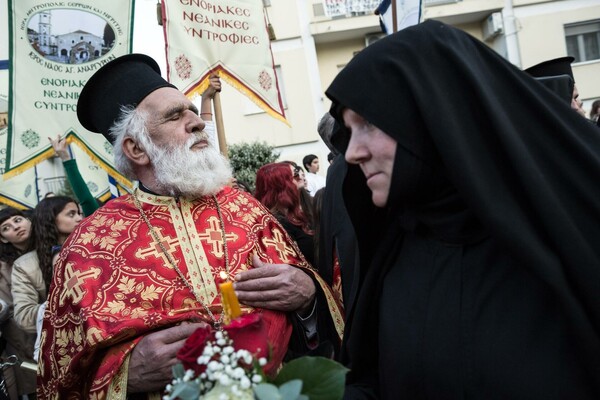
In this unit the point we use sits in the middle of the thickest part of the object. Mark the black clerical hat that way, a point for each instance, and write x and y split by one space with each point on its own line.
124 81
554 67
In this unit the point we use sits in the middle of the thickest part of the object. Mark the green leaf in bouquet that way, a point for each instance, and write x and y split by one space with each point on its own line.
323 379
178 371
291 389
267 391
186 391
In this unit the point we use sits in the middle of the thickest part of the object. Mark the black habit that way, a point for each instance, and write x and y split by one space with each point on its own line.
484 282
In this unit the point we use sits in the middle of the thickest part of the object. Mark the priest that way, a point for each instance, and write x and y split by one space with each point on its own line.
142 273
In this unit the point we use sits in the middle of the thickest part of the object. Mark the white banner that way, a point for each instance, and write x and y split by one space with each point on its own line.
228 37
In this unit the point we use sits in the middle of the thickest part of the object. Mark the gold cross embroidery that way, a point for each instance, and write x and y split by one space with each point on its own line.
279 243
214 237
170 244
74 281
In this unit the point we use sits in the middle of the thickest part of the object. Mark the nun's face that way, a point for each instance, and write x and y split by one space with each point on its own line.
374 151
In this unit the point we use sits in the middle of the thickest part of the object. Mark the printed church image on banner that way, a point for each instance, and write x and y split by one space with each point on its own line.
76 47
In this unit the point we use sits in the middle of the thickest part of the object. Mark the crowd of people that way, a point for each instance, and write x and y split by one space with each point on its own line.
450 253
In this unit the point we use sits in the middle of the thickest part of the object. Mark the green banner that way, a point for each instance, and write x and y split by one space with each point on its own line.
54 48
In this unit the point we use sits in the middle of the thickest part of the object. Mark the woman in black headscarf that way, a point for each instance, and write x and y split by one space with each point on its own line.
484 281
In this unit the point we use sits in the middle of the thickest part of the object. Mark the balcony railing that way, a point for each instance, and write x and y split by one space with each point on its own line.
55 185
353 8
349 8
438 2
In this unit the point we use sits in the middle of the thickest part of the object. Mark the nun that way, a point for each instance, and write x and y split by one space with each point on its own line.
480 279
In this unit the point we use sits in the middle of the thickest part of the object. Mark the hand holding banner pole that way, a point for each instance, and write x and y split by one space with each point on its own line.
219 124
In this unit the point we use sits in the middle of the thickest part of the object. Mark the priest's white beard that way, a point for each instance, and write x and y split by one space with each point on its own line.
180 171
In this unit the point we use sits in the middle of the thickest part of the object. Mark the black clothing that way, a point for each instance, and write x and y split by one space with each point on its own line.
336 236
485 281
561 86
305 242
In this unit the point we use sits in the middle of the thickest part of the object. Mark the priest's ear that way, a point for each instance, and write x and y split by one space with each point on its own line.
136 153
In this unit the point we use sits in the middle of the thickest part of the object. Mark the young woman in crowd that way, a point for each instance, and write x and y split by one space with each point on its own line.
306 201
54 219
277 190
15 231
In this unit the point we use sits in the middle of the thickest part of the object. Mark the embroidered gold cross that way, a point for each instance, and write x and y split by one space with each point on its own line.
280 246
74 281
154 250
214 237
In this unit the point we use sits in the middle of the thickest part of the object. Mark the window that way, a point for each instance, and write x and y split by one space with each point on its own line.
583 40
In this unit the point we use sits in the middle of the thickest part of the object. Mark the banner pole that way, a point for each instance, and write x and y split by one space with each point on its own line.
394 16
219 124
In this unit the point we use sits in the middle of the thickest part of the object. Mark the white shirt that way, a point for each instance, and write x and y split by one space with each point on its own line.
314 182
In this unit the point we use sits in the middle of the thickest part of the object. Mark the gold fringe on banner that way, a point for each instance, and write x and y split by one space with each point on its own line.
12 203
233 81
106 167
48 153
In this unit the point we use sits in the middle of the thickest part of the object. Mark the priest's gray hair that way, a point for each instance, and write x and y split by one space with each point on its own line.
131 123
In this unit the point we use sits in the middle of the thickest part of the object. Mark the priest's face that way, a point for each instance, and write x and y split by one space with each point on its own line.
172 118
183 160
374 151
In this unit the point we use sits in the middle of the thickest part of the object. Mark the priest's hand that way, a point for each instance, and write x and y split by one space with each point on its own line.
278 287
153 357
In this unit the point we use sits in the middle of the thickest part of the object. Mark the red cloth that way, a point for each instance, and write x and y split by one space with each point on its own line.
259 333
113 284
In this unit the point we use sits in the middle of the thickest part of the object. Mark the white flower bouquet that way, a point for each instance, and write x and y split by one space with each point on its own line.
214 368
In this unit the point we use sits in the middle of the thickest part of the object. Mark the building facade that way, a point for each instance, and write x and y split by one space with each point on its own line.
317 38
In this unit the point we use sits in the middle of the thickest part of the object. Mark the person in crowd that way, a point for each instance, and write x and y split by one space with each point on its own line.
337 249
276 189
333 275
314 182
485 282
299 177
556 67
595 111
306 203
54 218
143 272
241 185
87 201
330 157
214 87
316 220
15 232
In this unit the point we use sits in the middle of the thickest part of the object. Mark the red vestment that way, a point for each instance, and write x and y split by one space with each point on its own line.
113 283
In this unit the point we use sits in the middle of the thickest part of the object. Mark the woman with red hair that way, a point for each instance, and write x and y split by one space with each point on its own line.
277 190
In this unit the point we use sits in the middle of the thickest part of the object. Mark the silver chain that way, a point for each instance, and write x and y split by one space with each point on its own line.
217 324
